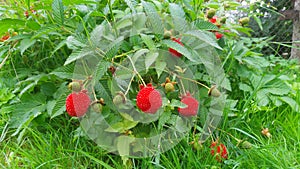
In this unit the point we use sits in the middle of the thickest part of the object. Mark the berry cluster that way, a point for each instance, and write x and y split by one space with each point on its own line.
218 150
210 14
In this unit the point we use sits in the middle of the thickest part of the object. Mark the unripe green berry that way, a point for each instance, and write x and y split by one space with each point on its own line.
167 34
75 86
210 13
197 146
244 21
97 107
119 99
223 20
213 91
169 87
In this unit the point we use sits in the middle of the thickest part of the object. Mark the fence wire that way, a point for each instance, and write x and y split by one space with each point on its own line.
274 25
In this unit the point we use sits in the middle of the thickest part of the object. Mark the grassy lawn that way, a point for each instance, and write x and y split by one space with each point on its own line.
53 146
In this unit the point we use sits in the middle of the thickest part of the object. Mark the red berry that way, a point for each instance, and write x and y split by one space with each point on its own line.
213 19
173 51
4 38
26 14
77 104
192 106
219 150
148 99
218 35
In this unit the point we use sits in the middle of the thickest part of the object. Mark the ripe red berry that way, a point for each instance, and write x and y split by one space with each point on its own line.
219 150
213 19
148 99
4 38
192 106
26 14
77 104
218 35
173 51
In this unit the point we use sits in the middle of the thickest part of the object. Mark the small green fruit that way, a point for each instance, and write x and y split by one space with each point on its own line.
246 145
210 13
213 91
119 99
244 21
97 107
197 146
223 20
169 87
75 86
167 34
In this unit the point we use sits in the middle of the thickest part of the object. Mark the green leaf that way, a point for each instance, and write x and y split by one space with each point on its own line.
58 11
177 103
150 59
44 31
181 49
294 105
23 113
7 23
59 46
181 125
131 4
74 43
123 23
48 88
123 145
153 17
25 44
178 16
203 36
245 87
58 106
121 127
205 25
101 69
138 54
163 119
148 41
64 72
96 34
79 55
262 97
160 66
258 21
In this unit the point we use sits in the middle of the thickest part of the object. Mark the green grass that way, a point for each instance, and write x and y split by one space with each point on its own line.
53 145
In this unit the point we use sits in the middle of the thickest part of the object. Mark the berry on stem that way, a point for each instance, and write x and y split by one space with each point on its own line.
218 35
210 13
168 85
119 99
213 19
244 21
75 86
192 106
148 99
77 104
219 150
97 107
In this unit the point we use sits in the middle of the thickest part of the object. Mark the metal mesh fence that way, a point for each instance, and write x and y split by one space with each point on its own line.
275 25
